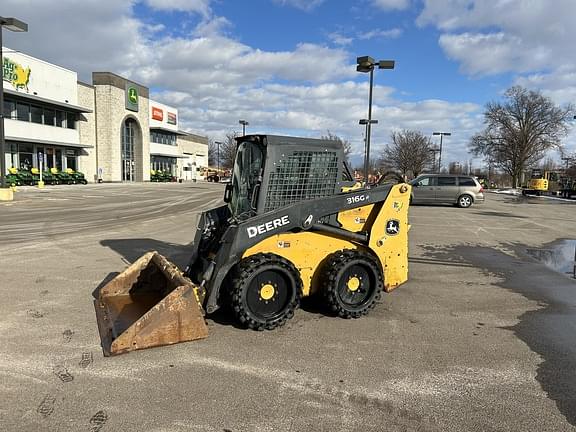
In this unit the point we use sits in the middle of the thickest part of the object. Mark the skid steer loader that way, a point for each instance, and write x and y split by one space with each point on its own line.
294 224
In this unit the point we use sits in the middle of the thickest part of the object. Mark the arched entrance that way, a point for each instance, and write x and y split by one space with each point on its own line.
130 146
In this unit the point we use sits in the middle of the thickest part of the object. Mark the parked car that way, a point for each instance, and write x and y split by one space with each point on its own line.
460 190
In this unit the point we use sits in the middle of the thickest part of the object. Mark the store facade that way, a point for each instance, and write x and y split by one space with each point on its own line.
41 114
109 129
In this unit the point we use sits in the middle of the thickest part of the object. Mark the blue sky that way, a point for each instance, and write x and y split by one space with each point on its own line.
288 66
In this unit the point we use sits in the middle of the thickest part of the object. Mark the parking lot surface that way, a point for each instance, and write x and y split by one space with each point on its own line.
481 338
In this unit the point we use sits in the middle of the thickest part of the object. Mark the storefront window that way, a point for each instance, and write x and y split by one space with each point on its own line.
36 114
9 109
58 159
71 159
23 112
163 137
25 156
49 117
60 119
13 155
163 163
70 120
49 158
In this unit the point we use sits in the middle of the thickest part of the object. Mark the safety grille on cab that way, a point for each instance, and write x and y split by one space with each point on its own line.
301 176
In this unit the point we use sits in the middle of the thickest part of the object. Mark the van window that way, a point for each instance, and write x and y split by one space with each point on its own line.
426 181
466 181
446 181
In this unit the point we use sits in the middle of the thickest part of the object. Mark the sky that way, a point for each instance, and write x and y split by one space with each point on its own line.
288 67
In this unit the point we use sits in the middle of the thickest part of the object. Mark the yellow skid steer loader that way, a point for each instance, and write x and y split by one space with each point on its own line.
286 230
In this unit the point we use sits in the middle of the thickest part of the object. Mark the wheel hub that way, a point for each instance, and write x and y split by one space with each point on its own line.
353 283
267 291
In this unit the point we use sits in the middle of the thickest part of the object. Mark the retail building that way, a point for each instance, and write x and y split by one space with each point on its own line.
110 129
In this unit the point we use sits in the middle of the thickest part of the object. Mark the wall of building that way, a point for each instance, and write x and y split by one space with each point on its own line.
86 126
163 116
111 113
194 148
39 78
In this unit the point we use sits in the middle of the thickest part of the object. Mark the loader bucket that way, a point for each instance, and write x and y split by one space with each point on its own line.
149 304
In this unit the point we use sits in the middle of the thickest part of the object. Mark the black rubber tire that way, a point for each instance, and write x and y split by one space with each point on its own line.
347 262
465 201
245 297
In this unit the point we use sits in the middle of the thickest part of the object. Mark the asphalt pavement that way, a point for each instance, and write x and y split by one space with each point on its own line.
481 338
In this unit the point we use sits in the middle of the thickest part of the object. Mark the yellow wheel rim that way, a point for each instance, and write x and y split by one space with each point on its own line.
353 283
267 291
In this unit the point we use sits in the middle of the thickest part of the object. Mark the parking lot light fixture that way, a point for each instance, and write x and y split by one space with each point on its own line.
442 134
14 25
367 64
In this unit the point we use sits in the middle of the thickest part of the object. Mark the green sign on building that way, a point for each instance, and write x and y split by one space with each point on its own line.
131 97
15 74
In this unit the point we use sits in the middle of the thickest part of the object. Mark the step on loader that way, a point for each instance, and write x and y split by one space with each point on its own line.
294 223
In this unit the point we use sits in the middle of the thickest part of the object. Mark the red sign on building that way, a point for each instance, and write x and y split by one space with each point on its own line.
158 114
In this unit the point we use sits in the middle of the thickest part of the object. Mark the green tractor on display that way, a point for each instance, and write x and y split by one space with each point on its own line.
18 177
160 176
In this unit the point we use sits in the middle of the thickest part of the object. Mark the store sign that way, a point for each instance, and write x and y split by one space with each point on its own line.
172 118
157 114
15 74
131 97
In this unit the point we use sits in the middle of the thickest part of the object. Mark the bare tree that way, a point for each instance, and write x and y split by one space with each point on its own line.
520 130
212 153
345 144
228 150
409 153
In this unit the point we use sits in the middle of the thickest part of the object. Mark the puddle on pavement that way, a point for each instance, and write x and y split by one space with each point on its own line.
560 256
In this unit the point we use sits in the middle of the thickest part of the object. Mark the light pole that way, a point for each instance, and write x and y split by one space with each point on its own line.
14 25
218 155
244 123
367 64
434 150
366 151
442 134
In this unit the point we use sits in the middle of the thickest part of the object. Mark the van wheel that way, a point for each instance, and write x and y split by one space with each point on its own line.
465 201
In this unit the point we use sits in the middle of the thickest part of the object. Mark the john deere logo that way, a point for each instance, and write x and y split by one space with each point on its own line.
15 74
131 97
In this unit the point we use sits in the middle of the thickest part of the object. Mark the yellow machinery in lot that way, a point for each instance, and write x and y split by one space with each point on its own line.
287 230
542 183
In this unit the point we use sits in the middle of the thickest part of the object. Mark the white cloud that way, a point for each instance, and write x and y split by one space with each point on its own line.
201 7
387 34
340 39
391 4
305 5
504 35
212 27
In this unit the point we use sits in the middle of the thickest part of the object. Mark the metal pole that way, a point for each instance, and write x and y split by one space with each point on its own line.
440 155
368 130
218 157
243 129
2 137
